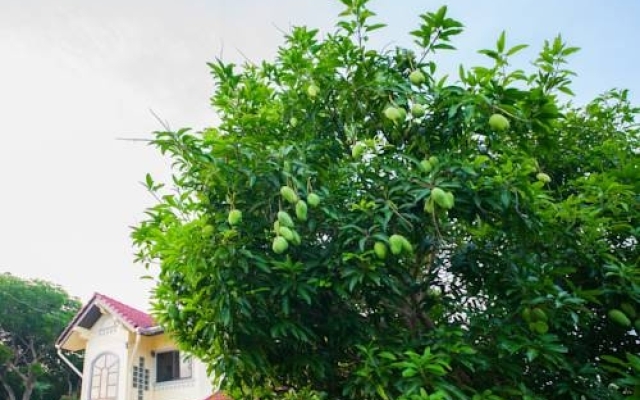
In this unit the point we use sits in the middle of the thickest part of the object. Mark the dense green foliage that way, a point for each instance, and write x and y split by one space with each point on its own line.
32 315
453 254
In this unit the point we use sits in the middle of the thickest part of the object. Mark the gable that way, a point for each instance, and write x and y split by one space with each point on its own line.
90 317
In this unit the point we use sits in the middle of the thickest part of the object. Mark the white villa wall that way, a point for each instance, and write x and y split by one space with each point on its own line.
106 336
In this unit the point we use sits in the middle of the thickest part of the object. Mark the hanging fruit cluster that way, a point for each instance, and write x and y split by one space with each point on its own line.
284 225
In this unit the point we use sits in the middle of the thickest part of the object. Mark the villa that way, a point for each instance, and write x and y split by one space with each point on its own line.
127 356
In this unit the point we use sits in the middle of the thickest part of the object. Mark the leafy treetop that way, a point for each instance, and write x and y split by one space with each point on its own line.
357 228
32 315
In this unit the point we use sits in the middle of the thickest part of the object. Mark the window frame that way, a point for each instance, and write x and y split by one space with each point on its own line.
111 362
177 362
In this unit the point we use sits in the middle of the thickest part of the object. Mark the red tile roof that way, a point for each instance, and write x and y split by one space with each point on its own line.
218 396
130 315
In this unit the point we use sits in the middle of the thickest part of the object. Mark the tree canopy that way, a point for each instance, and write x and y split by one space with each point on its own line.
358 227
32 315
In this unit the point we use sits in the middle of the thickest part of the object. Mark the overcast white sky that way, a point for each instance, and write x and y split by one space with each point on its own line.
76 75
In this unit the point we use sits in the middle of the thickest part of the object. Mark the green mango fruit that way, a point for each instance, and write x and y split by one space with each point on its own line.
280 245
619 317
426 166
393 113
498 122
358 150
396 243
526 314
207 230
439 197
296 238
313 199
301 210
288 194
540 327
286 233
428 206
285 219
449 201
418 110
313 90
629 310
433 160
381 250
539 315
542 177
406 245
235 217
417 77
403 114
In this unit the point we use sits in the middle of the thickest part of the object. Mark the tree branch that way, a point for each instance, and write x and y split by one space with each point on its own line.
12 367
7 388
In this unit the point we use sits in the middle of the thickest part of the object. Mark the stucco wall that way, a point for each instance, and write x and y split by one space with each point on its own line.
106 336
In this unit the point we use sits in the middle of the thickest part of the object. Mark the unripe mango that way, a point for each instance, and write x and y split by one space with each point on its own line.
381 250
296 238
396 242
207 230
619 317
286 233
285 219
393 113
449 201
542 177
280 245
540 327
301 210
538 314
358 150
417 77
428 206
426 166
498 122
313 90
439 197
418 110
526 314
406 245
288 194
629 310
235 217
313 199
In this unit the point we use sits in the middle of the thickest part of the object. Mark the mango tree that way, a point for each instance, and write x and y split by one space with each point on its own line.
358 227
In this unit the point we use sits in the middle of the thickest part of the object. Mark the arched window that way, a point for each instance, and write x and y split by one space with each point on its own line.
104 377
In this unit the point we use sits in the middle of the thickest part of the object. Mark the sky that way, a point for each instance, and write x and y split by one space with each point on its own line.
76 77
